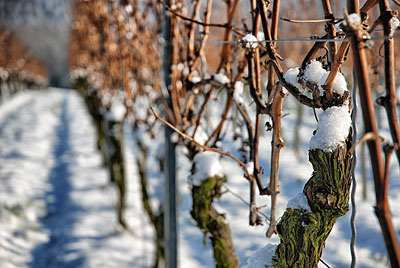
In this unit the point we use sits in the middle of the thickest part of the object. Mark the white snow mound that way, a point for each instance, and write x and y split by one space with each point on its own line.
299 202
207 164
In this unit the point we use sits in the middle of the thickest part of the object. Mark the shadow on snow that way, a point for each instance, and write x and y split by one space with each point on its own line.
62 212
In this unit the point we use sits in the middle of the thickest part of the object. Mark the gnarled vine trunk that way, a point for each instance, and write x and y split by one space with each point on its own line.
303 234
210 221
109 142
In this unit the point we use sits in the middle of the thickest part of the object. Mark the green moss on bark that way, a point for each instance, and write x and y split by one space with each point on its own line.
213 223
302 235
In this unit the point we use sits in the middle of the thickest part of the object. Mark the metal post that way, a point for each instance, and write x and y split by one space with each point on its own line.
170 204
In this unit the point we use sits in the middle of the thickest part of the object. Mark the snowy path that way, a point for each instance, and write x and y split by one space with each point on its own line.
57 206
63 213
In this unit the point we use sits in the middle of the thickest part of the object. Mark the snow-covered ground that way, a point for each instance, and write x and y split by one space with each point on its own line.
57 206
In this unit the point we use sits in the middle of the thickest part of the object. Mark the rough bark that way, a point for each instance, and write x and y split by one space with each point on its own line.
110 143
213 223
302 234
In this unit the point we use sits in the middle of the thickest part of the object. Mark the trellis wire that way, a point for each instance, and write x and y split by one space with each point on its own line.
299 39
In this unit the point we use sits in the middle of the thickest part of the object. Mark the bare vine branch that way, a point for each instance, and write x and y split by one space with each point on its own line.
219 25
205 148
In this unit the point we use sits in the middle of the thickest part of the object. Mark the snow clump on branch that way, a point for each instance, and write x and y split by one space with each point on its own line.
354 19
221 78
238 94
250 41
317 75
200 136
196 79
262 257
394 23
334 123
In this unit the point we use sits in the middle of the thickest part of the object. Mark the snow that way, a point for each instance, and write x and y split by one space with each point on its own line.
394 23
200 136
291 75
207 165
260 36
316 74
221 78
78 73
354 19
332 130
174 137
238 94
261 258
339 83
314 71
299 202
129 9
250 167
196 79
250 41
117 110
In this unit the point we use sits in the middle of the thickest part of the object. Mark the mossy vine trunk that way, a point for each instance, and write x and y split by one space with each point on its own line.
213 223
303 234
110 138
